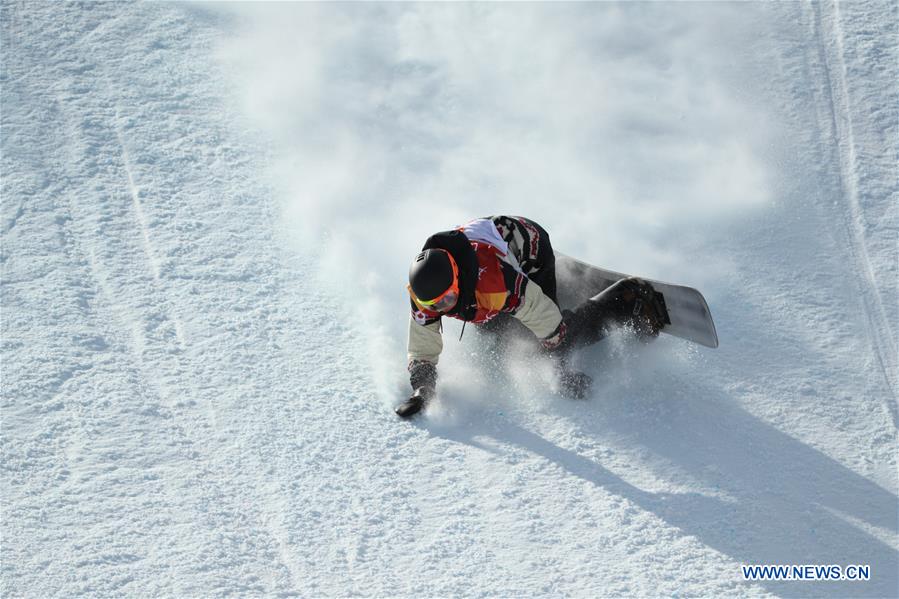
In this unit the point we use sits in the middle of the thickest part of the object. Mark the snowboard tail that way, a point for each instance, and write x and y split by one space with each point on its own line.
688 314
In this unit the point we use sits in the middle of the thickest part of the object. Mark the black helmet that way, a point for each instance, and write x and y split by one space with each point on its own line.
432 273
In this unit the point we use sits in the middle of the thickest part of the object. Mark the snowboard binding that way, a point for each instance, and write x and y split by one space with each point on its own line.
630 302
649 314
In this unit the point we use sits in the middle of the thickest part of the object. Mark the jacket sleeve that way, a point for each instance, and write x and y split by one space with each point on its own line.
538 313
425 341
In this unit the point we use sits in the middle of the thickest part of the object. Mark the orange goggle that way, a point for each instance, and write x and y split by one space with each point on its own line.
446 300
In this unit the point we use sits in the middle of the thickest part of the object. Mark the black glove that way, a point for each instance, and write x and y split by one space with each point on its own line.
423 378
422 374
415 403
572 383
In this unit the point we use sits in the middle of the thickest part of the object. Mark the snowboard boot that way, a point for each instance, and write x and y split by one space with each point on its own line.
648 314
629 302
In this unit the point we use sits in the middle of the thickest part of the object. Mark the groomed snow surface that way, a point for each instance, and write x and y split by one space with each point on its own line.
207 216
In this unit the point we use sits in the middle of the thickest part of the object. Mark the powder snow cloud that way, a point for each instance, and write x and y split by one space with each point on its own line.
612 125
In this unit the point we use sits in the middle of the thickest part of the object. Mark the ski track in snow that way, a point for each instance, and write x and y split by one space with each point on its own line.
185 414
127 299
840 123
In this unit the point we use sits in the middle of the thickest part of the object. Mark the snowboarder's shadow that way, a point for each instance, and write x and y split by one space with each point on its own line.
780 501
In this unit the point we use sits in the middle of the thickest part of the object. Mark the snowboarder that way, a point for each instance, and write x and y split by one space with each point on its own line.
504 265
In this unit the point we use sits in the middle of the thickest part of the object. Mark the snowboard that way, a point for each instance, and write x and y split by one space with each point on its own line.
687 309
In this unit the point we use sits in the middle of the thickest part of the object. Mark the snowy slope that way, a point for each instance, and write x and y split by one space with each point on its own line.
207 214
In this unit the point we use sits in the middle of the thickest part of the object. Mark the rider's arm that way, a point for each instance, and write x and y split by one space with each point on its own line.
425 341
538 313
